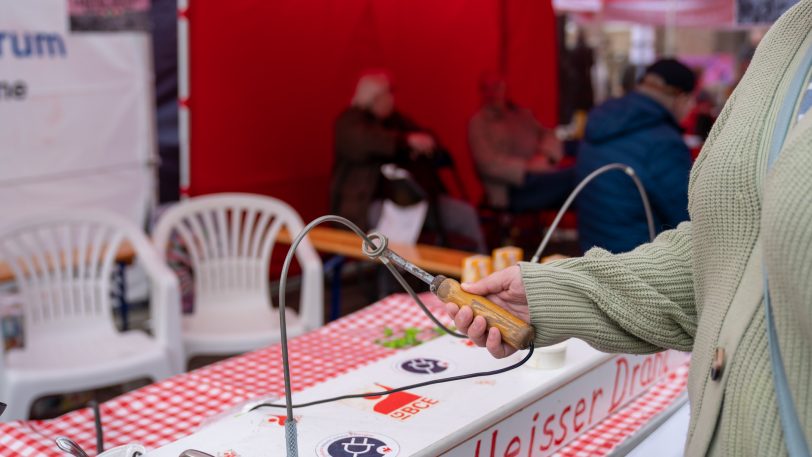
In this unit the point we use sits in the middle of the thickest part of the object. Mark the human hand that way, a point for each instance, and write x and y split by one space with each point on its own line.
539 164
505 288
551 147
421 143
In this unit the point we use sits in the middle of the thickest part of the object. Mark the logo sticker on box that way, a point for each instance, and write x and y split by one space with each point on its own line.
358 445
400 406
423 366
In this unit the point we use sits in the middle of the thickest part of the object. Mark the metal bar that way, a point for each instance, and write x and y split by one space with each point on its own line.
184 116
418 272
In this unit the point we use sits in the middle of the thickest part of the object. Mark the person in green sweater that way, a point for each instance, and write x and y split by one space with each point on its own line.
700 287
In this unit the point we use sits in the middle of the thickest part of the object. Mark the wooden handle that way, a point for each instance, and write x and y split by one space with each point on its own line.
515 331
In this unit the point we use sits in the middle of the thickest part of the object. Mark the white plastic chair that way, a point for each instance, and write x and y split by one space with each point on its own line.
229 238
63 265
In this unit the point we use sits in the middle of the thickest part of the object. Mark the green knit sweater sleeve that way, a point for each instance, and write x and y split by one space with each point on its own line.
636 302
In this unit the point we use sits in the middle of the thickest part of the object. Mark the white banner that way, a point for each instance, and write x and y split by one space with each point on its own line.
76 115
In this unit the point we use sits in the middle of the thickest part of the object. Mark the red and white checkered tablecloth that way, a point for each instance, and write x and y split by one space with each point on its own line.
173 408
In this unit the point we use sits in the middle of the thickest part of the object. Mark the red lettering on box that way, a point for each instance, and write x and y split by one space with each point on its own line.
421 404
621 370
661 358
596 394
563 424
400 415
410 410
548 432
514 447
647 376
632 386
532 435
580 408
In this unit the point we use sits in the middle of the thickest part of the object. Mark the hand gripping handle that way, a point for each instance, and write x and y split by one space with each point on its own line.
515 332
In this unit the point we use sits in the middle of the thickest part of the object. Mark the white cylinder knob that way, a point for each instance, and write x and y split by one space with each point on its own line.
549 357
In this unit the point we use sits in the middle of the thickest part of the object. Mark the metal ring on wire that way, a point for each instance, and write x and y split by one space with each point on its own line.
371 250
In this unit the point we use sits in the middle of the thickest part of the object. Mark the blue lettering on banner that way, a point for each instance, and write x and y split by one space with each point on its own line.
27 45
12 90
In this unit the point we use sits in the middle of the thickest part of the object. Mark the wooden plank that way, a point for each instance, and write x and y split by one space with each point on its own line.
125 254
5 272
434 259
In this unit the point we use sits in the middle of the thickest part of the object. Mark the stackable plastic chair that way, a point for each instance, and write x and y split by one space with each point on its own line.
229 239
63 264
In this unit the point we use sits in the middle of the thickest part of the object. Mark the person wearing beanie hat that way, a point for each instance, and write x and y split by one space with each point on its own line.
642 131
674 74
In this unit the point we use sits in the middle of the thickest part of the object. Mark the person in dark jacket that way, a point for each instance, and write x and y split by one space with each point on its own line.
371 133
640 130
368 134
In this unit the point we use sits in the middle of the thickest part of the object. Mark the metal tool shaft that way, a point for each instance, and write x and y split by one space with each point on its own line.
514 330
418 272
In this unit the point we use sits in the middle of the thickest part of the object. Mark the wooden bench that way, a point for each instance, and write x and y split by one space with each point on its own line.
125 255
434 259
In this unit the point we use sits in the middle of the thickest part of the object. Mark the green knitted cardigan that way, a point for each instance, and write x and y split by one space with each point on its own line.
674 293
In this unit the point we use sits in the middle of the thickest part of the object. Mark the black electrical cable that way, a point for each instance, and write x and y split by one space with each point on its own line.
401 389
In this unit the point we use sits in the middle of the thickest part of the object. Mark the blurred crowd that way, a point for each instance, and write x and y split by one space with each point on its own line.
385 159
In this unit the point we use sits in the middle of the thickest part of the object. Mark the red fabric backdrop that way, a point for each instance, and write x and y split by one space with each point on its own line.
269 78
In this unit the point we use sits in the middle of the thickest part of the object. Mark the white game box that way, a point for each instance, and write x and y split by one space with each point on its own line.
524 412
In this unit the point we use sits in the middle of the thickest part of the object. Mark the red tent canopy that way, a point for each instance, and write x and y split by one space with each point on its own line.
267 80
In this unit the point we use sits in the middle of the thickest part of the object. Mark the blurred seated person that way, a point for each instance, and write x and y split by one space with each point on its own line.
640 129
699 120
371 133
516 157
697 123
